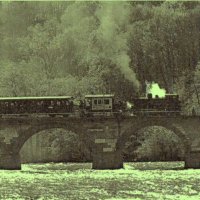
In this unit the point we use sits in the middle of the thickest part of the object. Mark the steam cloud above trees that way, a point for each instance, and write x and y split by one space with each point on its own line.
114 33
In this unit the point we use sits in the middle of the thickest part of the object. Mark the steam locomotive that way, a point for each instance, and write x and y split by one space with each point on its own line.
91 105
169 105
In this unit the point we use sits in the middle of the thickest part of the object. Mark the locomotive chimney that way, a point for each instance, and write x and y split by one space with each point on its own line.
149 96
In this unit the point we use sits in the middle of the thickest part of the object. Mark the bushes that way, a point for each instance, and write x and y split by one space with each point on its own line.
56 145
154 144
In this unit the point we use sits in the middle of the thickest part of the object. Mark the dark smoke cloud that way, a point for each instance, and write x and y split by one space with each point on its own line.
114 18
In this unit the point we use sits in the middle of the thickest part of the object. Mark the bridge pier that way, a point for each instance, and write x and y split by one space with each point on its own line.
193 160
107 160
105 154
10 161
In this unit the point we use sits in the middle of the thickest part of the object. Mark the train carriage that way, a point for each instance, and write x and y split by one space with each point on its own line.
36 105
100 104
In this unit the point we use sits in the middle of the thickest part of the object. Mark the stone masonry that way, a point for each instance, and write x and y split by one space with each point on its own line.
109 136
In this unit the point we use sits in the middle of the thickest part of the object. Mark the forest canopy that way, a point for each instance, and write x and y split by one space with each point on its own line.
76 48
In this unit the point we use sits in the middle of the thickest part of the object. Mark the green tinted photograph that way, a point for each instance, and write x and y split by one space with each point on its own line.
99 100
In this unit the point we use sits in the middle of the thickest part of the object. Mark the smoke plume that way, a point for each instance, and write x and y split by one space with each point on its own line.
113 32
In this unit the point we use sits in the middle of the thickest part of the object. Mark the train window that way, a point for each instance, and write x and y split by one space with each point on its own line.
99 101
95 102
106 101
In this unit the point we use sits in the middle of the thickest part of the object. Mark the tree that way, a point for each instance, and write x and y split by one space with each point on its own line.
67 146
197 83
164 43
155 144
189 88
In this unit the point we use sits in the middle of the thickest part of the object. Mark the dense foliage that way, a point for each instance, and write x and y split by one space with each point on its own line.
61 48
154 144
58 145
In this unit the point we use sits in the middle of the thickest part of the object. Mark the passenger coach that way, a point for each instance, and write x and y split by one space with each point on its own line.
27 105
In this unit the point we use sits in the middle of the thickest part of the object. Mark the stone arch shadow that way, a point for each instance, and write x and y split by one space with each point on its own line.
26 134
175 128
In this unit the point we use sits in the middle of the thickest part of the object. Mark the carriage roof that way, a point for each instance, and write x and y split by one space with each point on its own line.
99 96
35 98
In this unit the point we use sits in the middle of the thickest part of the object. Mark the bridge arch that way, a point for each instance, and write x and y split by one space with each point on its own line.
34 129
133 128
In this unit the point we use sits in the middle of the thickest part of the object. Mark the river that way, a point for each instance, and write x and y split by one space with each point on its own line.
158 180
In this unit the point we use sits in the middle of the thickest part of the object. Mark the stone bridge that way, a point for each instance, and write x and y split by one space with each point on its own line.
108 136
